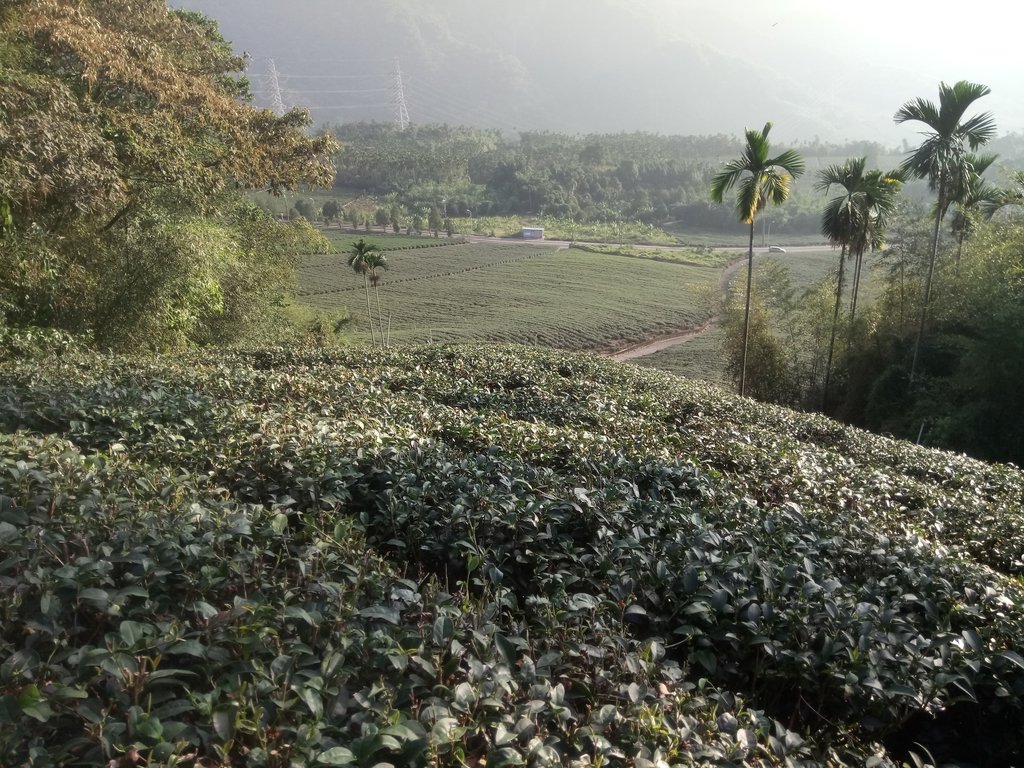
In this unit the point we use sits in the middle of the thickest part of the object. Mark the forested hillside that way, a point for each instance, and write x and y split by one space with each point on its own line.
630 176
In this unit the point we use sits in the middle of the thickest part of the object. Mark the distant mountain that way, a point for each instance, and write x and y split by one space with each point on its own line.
575 66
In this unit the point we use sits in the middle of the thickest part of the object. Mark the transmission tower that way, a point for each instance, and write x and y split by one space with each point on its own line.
401 109
276 102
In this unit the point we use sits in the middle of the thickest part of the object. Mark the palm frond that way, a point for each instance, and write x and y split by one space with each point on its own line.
919 109
749 199
979 129
842 175
726 178
921 162
790 161
775 186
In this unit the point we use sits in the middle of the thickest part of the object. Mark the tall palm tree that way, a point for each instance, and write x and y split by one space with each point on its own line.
759 179
970 201
854 221
942 159
377 260
358 258
839 224
878 199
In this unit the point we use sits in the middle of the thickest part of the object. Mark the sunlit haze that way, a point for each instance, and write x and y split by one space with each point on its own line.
816 69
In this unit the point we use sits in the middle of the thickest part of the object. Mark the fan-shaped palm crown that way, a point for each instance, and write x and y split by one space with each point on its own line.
856 218
358 255
375 260
760 178
942 156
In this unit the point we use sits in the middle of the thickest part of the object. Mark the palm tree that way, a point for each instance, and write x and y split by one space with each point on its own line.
839 224
855 221
942 159
358 259
878 200
376 260
970 201
760 178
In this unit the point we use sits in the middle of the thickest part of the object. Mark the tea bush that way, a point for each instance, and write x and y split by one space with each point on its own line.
468 555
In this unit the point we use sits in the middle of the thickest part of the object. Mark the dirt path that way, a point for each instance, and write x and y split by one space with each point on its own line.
659 343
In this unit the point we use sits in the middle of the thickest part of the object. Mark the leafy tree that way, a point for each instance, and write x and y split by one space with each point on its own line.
761 179
381 218
360 255
434 220
942 159
331 210
133 237
972 398
769 361
305 209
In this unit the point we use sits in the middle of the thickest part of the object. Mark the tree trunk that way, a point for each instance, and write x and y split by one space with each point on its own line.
856 284
928 281
746 310
835 325
380 316
369 313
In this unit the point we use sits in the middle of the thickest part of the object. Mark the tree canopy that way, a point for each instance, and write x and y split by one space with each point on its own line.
126 140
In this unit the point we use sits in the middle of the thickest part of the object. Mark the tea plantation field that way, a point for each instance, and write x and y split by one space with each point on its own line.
342 240
511 292
702 357
488 555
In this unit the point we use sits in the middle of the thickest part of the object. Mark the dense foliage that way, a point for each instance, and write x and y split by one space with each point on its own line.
596 178
125 138
969 394
449 555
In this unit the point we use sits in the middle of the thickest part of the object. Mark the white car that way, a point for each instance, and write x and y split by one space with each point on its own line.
776 249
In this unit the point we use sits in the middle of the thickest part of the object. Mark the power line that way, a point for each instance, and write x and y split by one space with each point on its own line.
340 62
351 90
347 106
432 101
329 77
456 109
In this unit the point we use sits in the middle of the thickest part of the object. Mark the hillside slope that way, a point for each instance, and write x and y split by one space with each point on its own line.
574 67
469 555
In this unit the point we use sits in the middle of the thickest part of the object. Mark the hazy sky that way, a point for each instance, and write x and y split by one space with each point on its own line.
891 45
811 66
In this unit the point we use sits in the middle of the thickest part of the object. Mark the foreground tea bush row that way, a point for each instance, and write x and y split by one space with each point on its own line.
470 555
